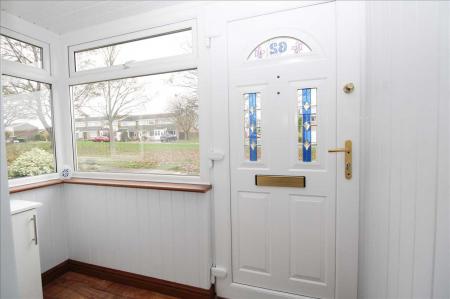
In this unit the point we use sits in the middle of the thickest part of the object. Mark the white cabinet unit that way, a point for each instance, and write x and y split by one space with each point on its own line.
26 247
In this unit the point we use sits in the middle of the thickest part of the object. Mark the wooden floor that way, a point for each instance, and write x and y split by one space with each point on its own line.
78 286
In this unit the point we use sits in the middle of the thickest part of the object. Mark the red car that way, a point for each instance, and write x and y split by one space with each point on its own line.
101 139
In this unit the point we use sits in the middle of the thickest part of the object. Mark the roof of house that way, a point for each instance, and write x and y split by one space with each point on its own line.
24 127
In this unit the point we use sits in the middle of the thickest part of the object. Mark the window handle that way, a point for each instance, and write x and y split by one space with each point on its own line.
348 157
215 156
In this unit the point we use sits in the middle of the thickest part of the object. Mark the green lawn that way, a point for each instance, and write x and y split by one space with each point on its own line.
180 157
91 148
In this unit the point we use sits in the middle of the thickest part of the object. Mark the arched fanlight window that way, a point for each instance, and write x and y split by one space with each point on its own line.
278 47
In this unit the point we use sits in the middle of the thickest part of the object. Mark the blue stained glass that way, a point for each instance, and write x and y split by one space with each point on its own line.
253 136
306 126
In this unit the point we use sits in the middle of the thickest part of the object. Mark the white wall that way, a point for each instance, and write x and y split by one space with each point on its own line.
161 234
52 221
401 140
441 276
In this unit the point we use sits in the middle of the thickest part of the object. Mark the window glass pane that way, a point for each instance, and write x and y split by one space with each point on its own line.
146 124
28 127
277 47
17 51
252 126
166 45
307 124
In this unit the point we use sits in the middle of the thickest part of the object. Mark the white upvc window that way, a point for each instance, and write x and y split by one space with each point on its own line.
132 58
27 99
39 70
143 87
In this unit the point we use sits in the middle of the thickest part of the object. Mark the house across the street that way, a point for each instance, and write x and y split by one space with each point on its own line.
24 131
147 127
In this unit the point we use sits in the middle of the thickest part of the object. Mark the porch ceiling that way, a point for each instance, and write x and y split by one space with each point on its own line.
65 16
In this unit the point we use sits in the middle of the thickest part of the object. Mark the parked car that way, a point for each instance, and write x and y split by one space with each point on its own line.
15 140
101 139
168 137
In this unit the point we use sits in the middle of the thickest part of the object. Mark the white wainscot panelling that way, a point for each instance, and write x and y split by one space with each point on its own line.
53 241
400 142
161 234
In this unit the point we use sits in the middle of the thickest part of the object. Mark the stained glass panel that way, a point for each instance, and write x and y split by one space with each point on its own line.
307 124
277 47
252 126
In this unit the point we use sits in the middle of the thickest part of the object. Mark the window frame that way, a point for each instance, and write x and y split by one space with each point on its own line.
137 68
43 75
40 74
145 68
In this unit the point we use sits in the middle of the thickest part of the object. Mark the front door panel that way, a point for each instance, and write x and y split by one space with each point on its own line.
282 121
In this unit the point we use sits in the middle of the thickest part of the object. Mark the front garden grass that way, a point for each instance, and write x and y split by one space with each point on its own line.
180 157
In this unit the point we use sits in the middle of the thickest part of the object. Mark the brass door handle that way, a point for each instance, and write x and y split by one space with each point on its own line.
348 157
337 150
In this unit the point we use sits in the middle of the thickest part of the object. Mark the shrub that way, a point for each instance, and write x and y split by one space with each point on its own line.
14 150
33 162
41 136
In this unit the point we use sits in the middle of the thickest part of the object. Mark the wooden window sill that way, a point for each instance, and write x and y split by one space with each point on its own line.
198 188
32 186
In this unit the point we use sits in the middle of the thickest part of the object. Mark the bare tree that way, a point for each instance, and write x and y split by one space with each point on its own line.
114 99
185 111
13 109
34 101
184 106
81 95
15 50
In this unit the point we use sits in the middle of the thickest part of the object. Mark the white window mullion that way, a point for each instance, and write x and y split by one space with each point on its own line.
25 71
134 70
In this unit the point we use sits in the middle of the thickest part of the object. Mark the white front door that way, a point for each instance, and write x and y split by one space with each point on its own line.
282 97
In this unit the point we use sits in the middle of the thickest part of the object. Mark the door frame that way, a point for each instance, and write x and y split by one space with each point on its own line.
350 24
